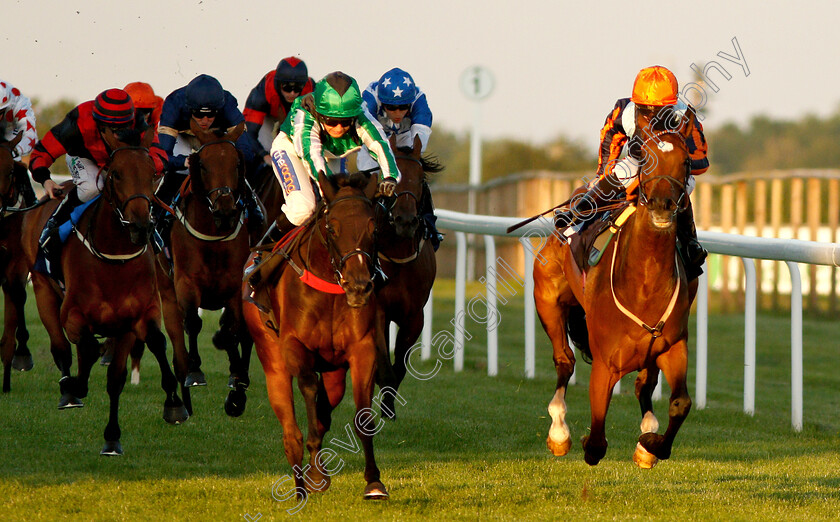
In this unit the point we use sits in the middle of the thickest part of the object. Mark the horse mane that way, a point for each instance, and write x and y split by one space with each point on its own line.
356 180
431 164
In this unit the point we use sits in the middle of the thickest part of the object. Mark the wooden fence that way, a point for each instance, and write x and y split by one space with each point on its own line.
801 204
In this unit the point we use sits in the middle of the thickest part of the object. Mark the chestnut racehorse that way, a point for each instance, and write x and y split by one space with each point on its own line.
407 259
636 303
110 288
324 331
209 248
13 269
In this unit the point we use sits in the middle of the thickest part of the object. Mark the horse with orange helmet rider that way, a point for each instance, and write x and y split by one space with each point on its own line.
146 102
655 106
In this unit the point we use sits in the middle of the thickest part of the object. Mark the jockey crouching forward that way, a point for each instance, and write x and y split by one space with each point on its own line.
205 101
654 92
79 136
401 109
17 116
321 131
271 100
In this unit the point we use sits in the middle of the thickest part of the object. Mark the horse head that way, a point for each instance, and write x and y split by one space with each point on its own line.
217 172
129 181
7 169
664 171
348 228
405 207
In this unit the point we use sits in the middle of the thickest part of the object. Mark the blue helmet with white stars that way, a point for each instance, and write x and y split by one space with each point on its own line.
396 87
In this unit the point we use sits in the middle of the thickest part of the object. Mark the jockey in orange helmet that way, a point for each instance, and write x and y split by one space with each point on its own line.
654 90
146 102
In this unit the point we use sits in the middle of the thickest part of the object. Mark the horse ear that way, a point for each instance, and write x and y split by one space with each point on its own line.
236 132
16 140
689 120
202 135
418 146
110 138
329 187
148 138
392 141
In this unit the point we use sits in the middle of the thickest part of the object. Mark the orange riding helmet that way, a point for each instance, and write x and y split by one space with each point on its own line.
144 97
655 86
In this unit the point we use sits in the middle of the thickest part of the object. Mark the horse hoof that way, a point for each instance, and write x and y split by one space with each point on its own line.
175 414
112 449
69 400
235 402
106 359
135 376
22 363
376 491
643 458
387 414
195 379
558 449
316 484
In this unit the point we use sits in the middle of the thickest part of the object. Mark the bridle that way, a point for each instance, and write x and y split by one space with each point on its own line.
337 260
681 187
212 196
119 209
389 207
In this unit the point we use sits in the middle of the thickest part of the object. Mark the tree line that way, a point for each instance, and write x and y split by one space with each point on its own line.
763 143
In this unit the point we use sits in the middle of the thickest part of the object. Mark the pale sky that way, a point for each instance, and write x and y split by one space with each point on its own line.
559 66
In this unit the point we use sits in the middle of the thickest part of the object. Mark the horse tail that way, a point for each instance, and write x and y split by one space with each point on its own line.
578 332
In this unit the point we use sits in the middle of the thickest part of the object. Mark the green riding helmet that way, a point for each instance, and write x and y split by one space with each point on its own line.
338 96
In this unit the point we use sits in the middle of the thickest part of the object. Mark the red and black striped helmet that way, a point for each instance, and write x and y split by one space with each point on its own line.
114 108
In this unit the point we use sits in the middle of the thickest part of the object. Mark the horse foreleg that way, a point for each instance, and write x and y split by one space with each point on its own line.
553 317
601 384
192 327
22 359
279 385
645 384
316 480
174 411
362 375
407 335
49 306
674 365
87 351
7 343
116 382
136 355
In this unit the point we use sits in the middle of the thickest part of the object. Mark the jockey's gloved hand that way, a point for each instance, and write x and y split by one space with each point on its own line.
387 187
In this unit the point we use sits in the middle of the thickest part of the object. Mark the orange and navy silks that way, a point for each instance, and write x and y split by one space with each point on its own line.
78 135
614 137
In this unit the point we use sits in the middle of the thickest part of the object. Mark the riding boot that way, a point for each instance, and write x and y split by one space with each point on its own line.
259 271
585 206
692 252
427 214
253 211
170 185
50 242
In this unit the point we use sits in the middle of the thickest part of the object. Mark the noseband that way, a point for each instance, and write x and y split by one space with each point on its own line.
329 241
213 196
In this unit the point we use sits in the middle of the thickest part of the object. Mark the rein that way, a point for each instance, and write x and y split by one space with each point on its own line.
389 209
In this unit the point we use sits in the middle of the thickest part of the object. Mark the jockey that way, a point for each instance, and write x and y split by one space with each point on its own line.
272 98
17 116
205 101
146 102
655 91
322 130
401 108
79 136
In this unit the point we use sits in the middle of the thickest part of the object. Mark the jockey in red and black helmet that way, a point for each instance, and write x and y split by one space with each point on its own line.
79 137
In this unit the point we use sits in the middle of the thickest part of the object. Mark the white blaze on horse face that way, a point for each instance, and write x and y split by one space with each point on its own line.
650 424
559 431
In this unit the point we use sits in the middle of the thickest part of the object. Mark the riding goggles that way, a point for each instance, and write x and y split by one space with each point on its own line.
291 87
389 107
204 113
335 122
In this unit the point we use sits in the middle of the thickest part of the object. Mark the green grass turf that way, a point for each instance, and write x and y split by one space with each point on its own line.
466 446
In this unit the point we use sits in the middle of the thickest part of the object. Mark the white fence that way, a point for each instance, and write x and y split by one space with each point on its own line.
747 248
